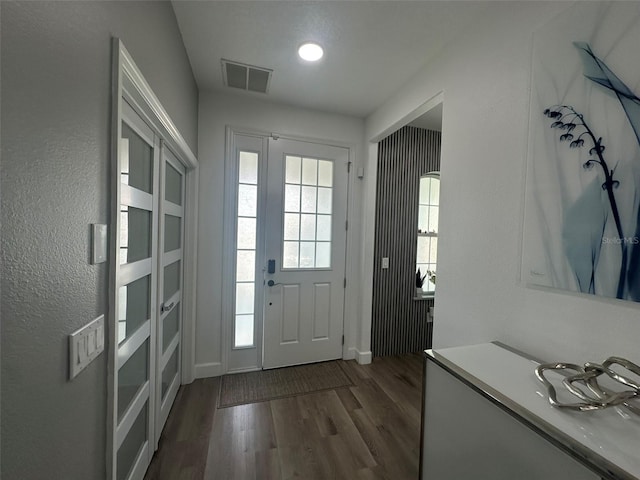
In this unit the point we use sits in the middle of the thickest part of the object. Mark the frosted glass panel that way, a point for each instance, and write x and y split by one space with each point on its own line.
244 331
172 233
425 182
309 199
423 218
290 255
245 266
135 234
170 326
324 200
434 192
291 198
134 307
131 376
423 250
433 219
132 444
248 168
245 294
433 251
169 372
307 254
138 171
293 168
291 226
173 185
309 171
171 280
247 233
307 227
323 255
324 227
247 200
325 173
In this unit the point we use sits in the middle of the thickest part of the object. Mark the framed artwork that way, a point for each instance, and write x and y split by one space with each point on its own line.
582 200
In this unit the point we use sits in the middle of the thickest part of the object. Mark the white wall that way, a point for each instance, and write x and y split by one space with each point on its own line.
249 113
485 77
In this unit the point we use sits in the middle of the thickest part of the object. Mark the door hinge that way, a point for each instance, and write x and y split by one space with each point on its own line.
348 167
343 339
345 282
346 225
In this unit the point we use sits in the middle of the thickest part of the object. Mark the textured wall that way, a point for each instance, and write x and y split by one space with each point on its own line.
399 323
56 91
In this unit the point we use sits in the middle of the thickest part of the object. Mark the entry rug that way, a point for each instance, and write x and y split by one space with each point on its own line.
265 385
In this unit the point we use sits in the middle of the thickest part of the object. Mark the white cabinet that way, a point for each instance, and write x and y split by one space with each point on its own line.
485 416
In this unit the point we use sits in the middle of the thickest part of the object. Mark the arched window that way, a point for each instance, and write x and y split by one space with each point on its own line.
428 210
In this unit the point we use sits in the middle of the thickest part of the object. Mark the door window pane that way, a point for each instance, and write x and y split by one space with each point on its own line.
169 372
247 200
325 173
244 331
248 174
170 326
171 279
134 307
311 194
245 293
173 185
246 233
135 234
172 233
132 444
248 168
292 169
131 376
309 171
428 212
136 169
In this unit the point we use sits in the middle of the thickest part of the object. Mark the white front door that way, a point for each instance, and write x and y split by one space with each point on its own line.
305 242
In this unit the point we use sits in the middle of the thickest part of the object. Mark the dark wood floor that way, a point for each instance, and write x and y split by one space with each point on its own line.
368 431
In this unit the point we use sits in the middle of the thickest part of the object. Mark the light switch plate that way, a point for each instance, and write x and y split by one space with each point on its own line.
85 345
99 232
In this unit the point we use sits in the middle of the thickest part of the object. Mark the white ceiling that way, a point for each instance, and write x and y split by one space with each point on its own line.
371 47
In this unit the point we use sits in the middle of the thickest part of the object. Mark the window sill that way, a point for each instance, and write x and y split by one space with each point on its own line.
425 296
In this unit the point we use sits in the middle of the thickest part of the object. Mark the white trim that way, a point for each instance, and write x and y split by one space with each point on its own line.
206 370
363 358
189 276
133 343
130 272
132 71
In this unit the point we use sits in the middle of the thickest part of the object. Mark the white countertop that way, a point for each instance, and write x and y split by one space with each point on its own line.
612 434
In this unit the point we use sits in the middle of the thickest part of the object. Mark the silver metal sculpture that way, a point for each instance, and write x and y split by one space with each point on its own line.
596 397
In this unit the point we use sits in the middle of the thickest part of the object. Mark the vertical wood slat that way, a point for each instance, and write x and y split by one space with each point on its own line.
399 323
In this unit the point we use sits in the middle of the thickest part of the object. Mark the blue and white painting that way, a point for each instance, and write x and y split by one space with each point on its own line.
582 206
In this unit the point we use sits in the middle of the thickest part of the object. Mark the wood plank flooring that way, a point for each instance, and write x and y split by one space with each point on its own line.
368 431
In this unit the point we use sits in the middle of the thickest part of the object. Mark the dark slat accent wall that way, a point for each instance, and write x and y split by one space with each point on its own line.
399 323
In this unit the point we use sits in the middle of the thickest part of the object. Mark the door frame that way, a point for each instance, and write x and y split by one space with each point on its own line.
128 82
228 264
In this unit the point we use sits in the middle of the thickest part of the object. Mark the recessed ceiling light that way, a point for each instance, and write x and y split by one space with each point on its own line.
311 52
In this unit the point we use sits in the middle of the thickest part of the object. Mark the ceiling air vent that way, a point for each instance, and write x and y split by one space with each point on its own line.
246 77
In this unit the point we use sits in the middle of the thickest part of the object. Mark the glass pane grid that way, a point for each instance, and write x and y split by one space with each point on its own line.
427 245
307 213
246 232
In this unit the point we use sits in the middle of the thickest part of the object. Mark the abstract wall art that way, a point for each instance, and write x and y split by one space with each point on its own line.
582 201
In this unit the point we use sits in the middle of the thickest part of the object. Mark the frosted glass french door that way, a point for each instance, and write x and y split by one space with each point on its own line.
172 190
136 297
151 198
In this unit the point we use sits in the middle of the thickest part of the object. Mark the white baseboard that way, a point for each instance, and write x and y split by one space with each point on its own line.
364 358
349 353
206 370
